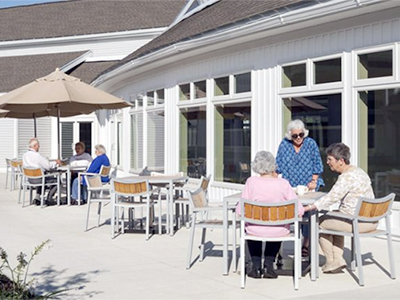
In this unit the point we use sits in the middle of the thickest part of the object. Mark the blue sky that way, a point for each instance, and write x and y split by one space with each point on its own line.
9 3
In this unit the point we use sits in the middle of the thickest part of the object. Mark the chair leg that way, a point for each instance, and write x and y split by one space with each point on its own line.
390 248
353 256
88 212
159 214
358 254
191 239
234 258
113 216
242 260
203 241
297 263
98 213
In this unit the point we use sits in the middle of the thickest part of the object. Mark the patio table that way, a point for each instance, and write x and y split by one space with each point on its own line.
230 202
67 169
168 181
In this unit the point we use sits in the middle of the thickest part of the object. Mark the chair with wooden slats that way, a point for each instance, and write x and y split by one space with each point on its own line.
16 173
367 210
104 172
271 214
35 177
200 206
132 194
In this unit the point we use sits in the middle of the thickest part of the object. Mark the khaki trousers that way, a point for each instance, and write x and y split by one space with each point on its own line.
332 245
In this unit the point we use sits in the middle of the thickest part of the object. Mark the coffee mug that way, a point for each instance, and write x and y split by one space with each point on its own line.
301 190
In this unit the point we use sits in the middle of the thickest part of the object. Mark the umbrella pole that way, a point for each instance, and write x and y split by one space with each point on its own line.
34 125
58 133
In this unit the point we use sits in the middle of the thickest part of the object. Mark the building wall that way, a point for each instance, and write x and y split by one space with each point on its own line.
264 58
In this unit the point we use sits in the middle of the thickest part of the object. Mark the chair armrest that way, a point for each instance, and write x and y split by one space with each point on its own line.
340 215
207 209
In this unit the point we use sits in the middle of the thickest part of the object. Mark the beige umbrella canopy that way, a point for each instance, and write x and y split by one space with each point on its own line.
58 94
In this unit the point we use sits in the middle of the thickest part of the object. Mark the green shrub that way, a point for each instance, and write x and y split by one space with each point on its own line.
16 285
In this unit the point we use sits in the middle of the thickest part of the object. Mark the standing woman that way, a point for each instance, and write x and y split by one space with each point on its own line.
299 161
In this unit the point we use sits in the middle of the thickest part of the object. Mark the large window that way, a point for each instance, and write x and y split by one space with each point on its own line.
379 138
322 117
137 141
232 142
294 75
193 137
326 71
377 64
155 140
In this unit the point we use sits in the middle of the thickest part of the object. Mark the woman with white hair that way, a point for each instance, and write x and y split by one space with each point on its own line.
299 161
94 167
266 187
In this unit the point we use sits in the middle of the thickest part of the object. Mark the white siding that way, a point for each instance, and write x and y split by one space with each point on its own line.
44 134
7 150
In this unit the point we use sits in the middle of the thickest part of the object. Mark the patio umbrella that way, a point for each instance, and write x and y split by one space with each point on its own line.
60 95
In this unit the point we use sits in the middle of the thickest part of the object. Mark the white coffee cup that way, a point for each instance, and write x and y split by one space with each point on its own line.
301 190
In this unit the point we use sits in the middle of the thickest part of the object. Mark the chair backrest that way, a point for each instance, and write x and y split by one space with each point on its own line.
372 210
198 198
93 181
31 172
16 164
267 213
105 171
129 188
204 182
8 162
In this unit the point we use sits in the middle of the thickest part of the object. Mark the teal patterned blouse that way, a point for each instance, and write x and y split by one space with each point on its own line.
298 168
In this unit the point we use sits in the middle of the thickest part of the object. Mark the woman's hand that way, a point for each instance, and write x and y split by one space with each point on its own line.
310 207
312 185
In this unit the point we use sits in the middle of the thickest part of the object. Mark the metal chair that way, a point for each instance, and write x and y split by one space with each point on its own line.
182 199
104 173
123 194
367 210
35 177
271 214
96 190
16 173
8 170
199 205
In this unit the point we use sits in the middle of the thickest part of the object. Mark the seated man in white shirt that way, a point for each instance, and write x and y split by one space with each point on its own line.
32 158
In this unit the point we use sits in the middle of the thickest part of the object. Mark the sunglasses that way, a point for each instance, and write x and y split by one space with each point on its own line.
295 136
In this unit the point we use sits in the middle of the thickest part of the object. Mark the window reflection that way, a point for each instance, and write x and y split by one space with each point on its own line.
193 137
232 142
379 138
322 117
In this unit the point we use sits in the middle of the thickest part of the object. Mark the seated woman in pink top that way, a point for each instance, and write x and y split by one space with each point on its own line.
267 187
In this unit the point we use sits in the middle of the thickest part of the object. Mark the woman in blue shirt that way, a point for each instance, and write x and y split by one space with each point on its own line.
94 167
299 161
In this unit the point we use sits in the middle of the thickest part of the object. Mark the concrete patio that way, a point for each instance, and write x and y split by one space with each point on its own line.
94 266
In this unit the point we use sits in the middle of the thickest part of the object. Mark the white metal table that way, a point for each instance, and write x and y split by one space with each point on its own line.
68 170
169 182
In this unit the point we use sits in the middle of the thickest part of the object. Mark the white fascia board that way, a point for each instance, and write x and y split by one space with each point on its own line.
336 9
73 63
83 38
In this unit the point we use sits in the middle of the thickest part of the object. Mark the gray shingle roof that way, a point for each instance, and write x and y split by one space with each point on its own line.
224 13
88 71
20 70
80 17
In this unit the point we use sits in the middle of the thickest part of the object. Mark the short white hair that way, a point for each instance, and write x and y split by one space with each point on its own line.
263 163
100 148
33 142
295 124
